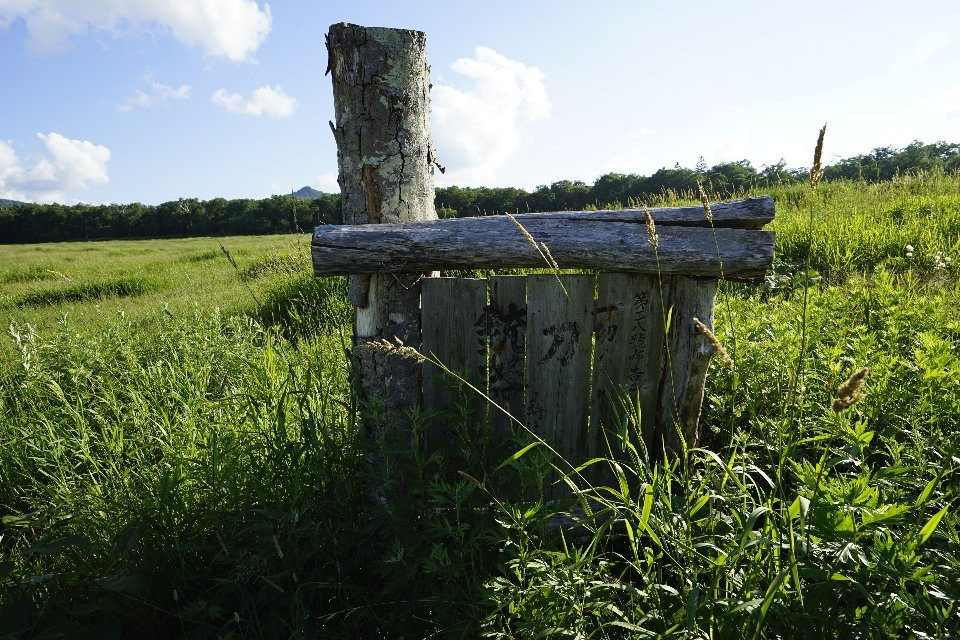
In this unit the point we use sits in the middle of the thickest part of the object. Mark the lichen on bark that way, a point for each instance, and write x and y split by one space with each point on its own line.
381 91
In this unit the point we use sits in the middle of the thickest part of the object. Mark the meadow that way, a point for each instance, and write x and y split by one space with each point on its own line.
181 456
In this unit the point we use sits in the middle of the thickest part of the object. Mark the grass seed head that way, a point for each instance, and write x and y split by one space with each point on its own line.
526 234
550 259
839 404
395 348
226 252
541 247
469 478
853 383
707 211
717 346
651 228
849 393
816 172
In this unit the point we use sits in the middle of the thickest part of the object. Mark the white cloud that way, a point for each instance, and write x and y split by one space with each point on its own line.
72 165
477 130
327 182
9 163
268 100
158 93
231 29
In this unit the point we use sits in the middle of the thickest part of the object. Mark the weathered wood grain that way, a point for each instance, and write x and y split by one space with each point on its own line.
627 362
681 387
559 329
381 96
454 333
495 242
745 213
508 328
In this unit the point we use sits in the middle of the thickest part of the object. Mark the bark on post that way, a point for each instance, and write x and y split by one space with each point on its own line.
381 94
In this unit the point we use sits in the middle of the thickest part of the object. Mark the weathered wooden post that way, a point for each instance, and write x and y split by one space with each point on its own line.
381 93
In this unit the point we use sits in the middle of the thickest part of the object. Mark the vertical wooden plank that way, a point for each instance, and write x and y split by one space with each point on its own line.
628 356
454 332
559 331
681 388
508 330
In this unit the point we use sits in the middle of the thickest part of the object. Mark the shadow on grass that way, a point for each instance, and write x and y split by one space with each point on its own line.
79 292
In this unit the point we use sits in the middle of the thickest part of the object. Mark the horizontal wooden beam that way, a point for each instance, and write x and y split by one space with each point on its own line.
575 241
746 213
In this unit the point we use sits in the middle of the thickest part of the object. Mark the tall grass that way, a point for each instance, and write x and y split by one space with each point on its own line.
202 473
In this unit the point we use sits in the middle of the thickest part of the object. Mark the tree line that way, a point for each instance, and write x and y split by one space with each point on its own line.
289 214
185 217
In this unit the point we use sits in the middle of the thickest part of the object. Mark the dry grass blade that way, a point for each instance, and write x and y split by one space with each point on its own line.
707 211
543 250
236 268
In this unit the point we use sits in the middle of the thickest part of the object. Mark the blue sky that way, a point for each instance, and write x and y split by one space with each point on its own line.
151 100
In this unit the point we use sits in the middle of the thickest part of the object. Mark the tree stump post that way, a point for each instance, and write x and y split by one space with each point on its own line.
381 93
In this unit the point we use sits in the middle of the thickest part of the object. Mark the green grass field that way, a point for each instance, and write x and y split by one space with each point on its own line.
90 282
180 456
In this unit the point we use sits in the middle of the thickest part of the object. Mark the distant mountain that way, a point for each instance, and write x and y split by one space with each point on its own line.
17 203
308 193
